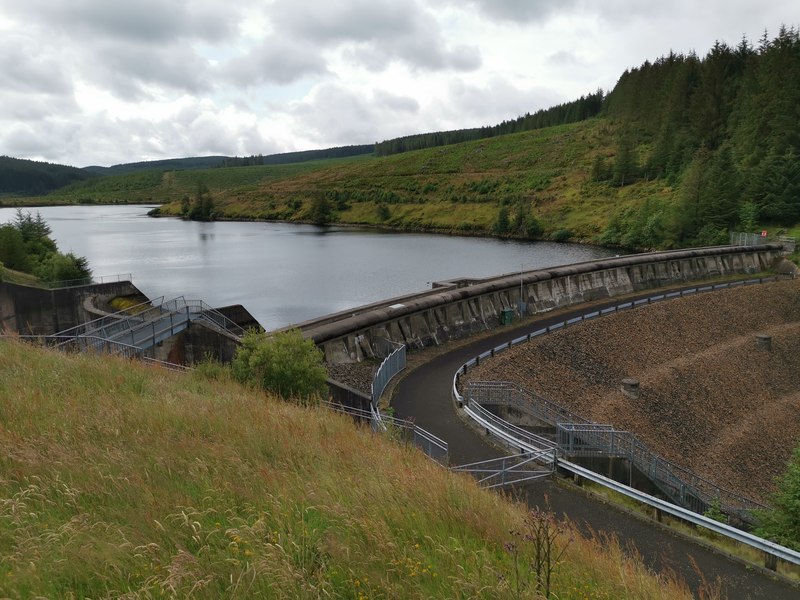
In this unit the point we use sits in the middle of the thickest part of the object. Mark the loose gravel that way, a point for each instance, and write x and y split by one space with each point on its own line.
711 399
355 375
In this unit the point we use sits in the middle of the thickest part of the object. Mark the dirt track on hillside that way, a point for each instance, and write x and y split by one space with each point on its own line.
711 400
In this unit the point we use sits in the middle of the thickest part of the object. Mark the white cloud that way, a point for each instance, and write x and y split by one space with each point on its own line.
276 60
101 81
336 115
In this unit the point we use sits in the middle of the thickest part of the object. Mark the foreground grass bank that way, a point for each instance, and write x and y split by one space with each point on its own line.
118 479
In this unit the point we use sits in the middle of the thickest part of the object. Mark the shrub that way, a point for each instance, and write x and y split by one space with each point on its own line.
781 524
562 235
284 363
63 267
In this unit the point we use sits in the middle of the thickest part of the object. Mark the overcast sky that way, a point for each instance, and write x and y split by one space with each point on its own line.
87 82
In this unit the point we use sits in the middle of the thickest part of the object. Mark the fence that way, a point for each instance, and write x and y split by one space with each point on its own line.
89 281
680 485
148 323
768 547
738 238
577 436
431 445
391 366
511 470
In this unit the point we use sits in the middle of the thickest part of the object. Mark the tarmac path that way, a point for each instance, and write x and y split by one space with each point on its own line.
424 394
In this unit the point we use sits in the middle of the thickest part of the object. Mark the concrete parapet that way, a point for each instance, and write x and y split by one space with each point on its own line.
456 310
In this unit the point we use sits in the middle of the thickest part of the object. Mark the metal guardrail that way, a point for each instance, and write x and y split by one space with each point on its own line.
579 437
679 484
432 446
739 238
510 470
81 344
89 281
391 366
148 323
510 434
769 548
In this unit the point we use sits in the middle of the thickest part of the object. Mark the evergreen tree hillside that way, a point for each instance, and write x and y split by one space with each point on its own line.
29 177
723 129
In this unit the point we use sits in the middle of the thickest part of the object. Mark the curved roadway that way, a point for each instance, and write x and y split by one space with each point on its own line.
424 393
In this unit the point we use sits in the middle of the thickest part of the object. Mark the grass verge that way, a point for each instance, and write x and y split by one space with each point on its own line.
119 479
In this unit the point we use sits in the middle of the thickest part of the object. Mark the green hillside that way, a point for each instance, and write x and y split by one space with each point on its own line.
20 177
683 150
120 479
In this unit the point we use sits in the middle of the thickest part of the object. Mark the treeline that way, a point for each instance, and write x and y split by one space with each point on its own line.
32 178
167 164
583 108
296 157
26 246
723 129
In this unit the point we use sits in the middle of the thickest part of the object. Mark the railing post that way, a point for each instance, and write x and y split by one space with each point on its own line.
770 561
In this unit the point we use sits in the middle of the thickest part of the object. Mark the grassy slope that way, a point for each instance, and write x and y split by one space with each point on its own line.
453 188
116 478
19 277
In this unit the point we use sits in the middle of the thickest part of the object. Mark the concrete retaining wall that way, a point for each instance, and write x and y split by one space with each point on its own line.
38 311
454 311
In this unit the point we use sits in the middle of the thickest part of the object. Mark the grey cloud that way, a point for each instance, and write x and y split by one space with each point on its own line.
335 115
518 11
354 21
25 106
420 53
33 84
393 102
26 67
277 60
375 33
127 70
494 102
564 58
142 20
99 139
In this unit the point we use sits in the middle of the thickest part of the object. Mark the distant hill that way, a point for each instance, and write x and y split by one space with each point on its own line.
581 109
195 162
302 156
208 162
20 177
683 150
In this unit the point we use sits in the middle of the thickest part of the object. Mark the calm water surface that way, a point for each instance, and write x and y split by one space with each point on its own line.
283 273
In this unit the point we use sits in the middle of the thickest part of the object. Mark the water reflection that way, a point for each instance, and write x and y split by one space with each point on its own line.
273 269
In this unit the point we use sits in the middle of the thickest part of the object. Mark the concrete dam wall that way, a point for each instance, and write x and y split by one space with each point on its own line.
452 310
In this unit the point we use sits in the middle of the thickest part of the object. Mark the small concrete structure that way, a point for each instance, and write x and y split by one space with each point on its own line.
764 341
630 388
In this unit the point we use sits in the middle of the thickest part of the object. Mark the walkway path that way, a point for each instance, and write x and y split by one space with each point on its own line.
424 393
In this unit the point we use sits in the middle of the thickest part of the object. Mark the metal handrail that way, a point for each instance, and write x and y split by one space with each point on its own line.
770 548
500 468
115 317
422 438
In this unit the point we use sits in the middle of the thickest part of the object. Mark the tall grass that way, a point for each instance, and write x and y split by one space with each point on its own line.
122 480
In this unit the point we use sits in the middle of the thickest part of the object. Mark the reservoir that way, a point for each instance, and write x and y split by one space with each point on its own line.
283 273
